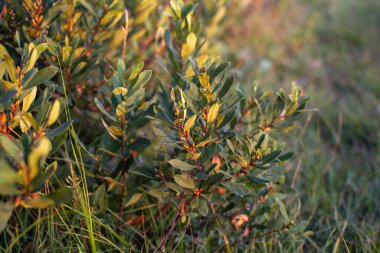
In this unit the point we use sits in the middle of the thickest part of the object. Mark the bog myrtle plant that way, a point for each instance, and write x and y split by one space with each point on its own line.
121 129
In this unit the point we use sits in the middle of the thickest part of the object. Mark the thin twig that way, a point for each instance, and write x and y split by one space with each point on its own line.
124 177
164 241
125 31
226 242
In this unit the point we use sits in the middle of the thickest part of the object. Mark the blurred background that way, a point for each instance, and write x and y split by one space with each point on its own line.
331 49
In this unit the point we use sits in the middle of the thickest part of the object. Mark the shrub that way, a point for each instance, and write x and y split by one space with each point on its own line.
185 150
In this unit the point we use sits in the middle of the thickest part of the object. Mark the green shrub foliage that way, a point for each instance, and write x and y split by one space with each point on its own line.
120 118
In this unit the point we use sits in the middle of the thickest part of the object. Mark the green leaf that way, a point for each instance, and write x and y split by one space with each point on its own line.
286 156
226 87
29 75
230 145
100 199
260 141
7 96
203 207
10 147
140 143
237 188
41 179
228 118
144 77
219 69
42 76
8 174
144 171
59 130
6 210
185 182
271 156
89 7
282 209
61 196
257 180
213 179
178 164
103 110
174 187
157 193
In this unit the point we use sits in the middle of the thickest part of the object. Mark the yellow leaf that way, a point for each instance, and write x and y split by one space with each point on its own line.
189 47
213 113
204 143
204 79
242 161
112 17
116 131
121 109
29 99
193 156
54 112
32 59
120 90
190 123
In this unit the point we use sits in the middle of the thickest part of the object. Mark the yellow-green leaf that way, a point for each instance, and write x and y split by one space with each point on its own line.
39 202
37 156
185 182
6 210
26 121
178 164
133 199
11 68
29 99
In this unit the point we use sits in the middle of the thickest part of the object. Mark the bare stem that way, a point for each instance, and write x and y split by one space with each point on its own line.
124 177
164 241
